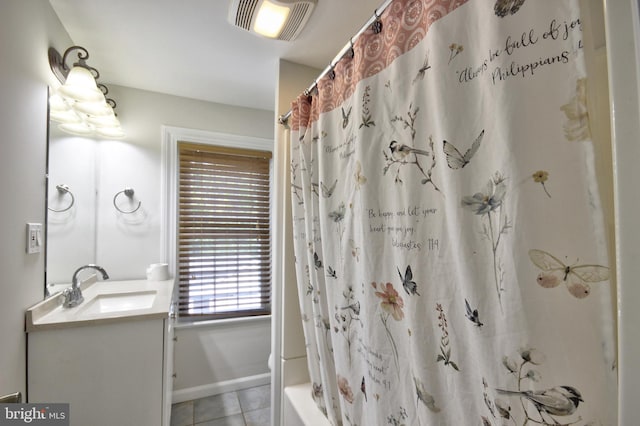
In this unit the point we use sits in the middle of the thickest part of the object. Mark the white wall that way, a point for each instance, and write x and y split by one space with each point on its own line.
221 357
623 42
27 28
290 360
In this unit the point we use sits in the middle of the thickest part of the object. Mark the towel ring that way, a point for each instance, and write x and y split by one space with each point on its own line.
62 190
128 192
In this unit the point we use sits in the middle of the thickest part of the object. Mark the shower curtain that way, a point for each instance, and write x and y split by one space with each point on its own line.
449 239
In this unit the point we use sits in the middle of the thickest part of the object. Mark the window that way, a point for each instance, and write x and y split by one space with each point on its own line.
223 236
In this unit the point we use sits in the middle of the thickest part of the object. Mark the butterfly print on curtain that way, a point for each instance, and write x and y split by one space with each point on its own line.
456 160
472 314
410 286
575 277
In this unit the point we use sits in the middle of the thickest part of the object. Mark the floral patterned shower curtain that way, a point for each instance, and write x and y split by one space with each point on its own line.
449 239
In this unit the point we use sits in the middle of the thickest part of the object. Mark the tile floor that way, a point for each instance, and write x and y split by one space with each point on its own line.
246 407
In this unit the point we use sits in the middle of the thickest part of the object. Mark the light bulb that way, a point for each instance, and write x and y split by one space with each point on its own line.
80 129
96 109
270 19
110 132
81 86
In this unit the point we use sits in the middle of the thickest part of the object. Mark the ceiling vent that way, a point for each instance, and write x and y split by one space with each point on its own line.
291 14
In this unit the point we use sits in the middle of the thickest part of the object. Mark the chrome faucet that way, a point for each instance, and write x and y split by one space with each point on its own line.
72 296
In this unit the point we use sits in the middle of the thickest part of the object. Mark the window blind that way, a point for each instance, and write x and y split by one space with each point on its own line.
224 235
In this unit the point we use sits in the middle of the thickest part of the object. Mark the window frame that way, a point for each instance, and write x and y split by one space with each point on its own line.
169 192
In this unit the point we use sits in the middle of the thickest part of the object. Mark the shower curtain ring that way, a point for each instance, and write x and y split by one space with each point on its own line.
332 73
376 27
309 91
351 53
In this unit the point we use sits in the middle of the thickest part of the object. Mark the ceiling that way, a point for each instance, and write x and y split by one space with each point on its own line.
188 48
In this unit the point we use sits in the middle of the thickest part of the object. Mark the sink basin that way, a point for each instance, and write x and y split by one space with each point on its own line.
120 302
104 302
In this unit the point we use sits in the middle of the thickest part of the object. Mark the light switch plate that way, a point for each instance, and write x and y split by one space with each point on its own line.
34 238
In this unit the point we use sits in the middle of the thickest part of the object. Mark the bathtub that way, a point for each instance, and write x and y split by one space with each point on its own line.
300 409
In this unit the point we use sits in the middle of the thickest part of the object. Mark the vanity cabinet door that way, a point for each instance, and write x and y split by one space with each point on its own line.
110 374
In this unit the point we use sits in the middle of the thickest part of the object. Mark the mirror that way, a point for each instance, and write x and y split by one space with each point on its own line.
95 170
71 210
90 216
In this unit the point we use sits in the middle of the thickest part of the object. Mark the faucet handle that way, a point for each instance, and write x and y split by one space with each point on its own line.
66 297
71 297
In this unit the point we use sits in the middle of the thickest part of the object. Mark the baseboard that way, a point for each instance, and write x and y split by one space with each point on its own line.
197 392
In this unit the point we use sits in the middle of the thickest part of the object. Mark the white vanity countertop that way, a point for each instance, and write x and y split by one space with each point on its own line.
104 302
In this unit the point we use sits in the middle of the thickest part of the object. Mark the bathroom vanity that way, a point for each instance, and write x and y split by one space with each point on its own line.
110 358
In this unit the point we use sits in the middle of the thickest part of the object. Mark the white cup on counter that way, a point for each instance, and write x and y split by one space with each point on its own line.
158 272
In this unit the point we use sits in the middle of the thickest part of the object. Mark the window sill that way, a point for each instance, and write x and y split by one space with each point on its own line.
187 324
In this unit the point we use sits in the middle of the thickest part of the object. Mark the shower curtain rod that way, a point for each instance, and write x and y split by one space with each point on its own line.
376 14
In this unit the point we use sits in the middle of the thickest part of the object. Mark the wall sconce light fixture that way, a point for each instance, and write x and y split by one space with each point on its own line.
81 105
